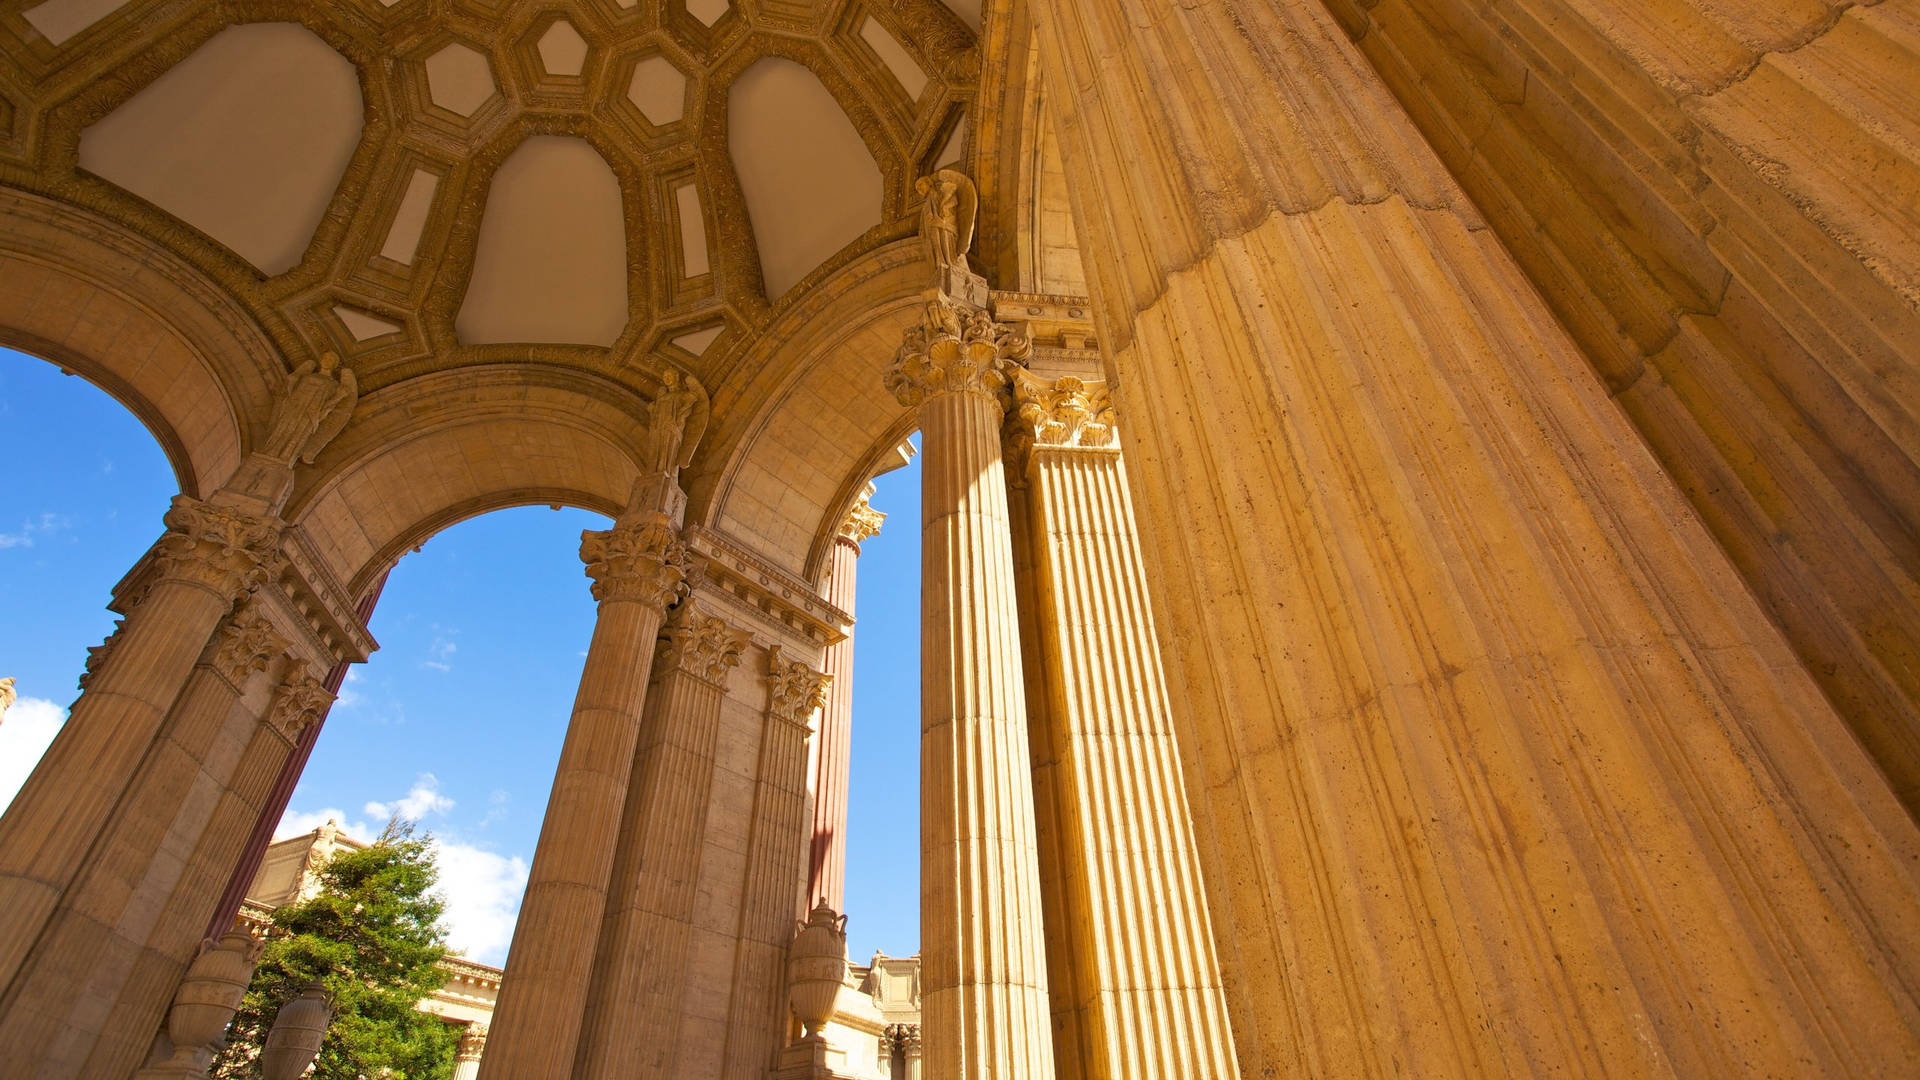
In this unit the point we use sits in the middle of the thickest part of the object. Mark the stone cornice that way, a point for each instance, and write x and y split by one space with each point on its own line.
783 600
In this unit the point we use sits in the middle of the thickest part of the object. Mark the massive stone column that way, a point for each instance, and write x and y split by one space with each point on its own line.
1497 766
638 567
641 974
1143 998
84 870
830 752
985 998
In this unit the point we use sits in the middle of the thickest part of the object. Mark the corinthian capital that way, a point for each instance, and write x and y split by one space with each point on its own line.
1064 412
299 702
863 521
244 644
955 349
226 550
798 691
701 645
643 560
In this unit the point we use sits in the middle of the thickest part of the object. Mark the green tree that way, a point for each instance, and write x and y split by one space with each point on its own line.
373 938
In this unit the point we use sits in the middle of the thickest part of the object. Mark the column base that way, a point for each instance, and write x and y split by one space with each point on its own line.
810 1059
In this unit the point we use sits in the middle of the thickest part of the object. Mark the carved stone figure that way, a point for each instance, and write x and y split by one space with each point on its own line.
8 695
946 221
313 407
676 420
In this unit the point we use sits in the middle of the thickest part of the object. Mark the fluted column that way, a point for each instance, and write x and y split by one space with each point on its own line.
830 751
985 983
53 924
1498 766
640 985
466 1058
638 567
776 863
1146 1001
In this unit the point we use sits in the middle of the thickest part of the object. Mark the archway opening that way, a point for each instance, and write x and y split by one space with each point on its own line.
87 484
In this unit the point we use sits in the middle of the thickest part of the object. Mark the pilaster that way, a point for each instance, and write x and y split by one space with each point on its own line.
1136 990
776 865
641 983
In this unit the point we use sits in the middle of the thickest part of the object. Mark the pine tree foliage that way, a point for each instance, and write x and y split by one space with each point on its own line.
372 936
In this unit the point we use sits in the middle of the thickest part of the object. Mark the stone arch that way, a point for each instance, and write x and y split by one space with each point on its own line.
816 398
519 435
142 324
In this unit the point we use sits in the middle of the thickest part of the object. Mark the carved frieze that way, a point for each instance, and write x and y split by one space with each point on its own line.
701 645
797 691
643 561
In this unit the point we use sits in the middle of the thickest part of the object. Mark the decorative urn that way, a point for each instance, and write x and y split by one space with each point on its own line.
297 1033
816 967
210 992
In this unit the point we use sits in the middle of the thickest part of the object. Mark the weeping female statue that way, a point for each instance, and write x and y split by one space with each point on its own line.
314 404
946 223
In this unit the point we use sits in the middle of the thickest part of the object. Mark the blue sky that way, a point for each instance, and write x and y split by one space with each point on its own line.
458 719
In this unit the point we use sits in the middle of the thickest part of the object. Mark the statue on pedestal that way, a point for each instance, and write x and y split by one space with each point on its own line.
313 407
676 419
947 211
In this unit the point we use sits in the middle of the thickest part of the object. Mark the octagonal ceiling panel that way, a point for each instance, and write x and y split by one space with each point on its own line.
810 184
246 140
551 263
459 79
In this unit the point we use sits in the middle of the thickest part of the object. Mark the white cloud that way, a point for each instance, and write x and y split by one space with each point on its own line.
28 727
44 525
443 651
482 890
422 799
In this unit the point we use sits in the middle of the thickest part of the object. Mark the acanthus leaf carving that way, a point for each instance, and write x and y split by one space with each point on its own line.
955 348
862 522
297 705
797 691
244 644
644 560
703 646
1066 412
224 549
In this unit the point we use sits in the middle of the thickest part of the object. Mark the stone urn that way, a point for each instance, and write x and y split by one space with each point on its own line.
204 1004
816 967
296 1035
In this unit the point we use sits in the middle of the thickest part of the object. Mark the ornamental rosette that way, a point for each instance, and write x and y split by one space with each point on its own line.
223 549
244 644
955 349
700 645
643 561
298 705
